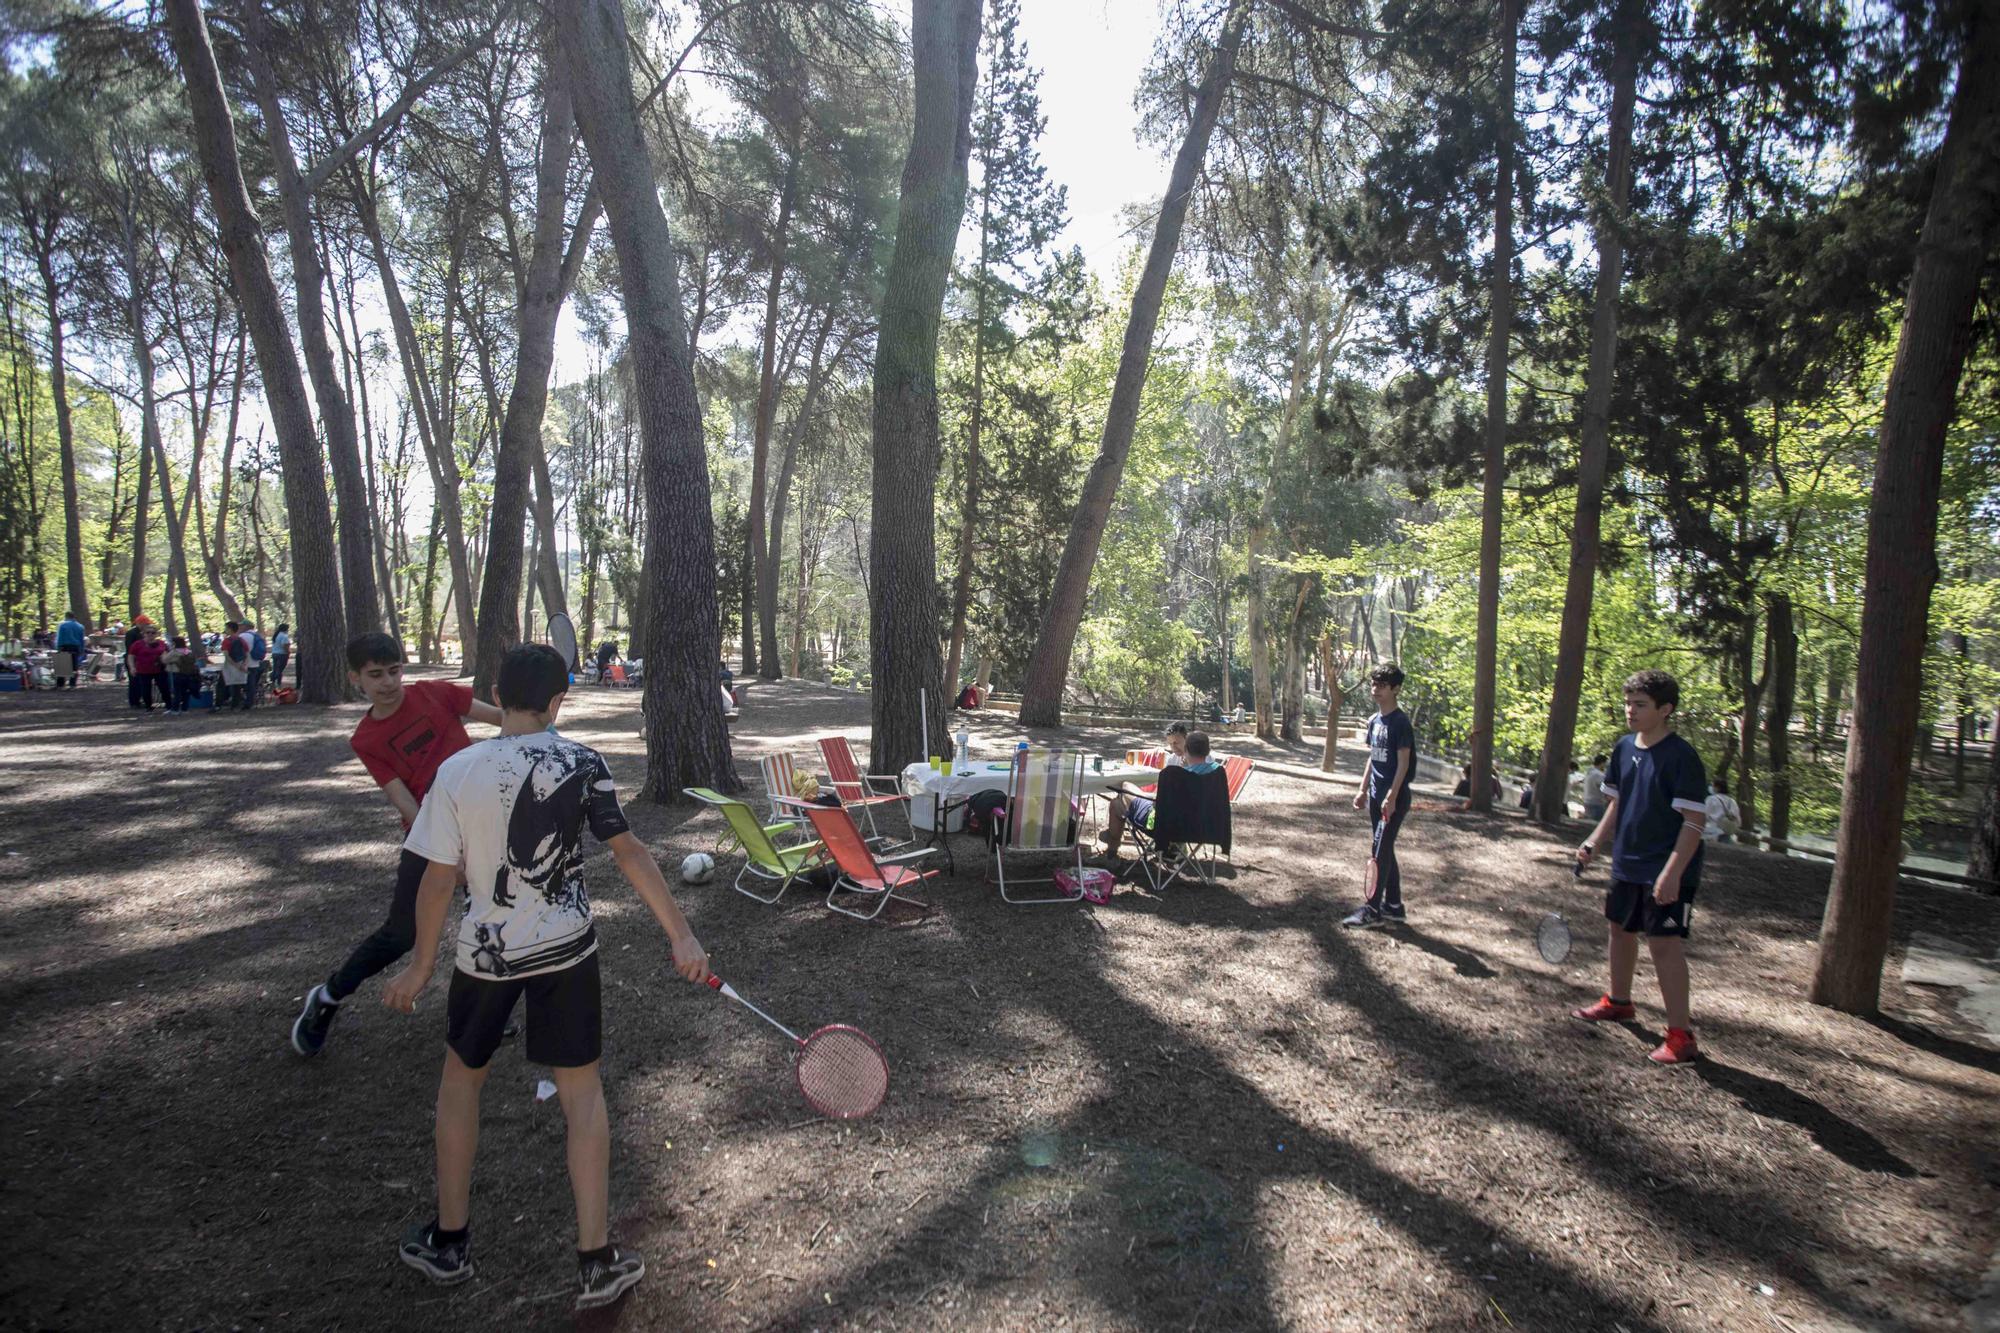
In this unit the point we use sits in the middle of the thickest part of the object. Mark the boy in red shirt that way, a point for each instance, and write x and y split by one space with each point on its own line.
408 731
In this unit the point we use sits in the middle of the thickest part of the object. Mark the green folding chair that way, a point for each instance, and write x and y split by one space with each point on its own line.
764 862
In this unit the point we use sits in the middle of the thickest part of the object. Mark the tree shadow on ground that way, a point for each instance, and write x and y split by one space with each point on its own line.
1936 1043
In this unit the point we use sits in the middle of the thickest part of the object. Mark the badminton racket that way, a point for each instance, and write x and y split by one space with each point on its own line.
1552 936
562 638
841 1072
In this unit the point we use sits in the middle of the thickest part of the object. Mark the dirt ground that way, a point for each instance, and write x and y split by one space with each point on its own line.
1207 1109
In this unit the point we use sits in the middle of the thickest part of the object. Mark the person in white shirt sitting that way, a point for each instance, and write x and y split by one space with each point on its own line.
1725 817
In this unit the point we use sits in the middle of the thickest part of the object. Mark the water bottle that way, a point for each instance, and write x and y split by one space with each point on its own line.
964 739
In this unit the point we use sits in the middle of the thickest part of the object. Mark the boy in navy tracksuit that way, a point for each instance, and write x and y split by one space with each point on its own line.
1656 789
1385 790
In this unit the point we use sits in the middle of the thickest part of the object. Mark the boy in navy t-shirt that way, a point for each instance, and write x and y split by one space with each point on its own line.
1385 790
1656 789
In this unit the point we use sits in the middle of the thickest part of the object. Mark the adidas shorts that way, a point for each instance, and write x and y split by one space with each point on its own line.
1629 905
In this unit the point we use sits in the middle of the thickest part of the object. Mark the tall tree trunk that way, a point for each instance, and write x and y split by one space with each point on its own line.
1330 750
1747 721
761 632
1048 666
427 613
1486 646
177 570
1985 857
315 582
1958 234
549 573
1292 701
79 588
336 416
383 538
1314 340
1781 635
521 428
687 743
149 438
968 519
902 542
1222 637
781 492
1629 32
213 554
434 424
1836 694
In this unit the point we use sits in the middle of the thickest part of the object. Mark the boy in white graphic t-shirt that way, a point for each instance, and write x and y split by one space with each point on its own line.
514 810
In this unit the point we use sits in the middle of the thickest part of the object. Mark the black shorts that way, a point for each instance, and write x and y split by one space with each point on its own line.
565 1015
1630 906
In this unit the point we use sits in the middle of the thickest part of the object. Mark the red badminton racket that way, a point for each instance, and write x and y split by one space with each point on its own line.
841 1072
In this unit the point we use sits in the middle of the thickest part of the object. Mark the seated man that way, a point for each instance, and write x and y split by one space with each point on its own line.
1130 807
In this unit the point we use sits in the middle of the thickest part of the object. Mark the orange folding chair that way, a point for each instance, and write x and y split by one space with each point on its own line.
861 871
1239 770
1147 759
855 788
618 676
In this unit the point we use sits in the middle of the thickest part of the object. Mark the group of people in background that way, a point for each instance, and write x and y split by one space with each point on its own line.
174 668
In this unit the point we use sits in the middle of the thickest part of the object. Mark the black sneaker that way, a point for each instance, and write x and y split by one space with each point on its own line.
602 1281
445 1263
1392 914
315 1017
1363 917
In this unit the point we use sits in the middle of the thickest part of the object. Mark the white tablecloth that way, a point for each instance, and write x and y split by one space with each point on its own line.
921 780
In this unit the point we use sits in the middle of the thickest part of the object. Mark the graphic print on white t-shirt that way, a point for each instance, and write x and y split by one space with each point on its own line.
514 809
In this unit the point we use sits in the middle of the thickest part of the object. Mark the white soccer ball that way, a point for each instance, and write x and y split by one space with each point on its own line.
697 868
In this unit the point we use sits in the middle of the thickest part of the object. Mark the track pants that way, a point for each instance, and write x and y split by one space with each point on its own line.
1388 878
392 939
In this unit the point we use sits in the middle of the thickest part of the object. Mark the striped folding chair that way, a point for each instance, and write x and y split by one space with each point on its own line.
781 773
860 870
865 790
1044 797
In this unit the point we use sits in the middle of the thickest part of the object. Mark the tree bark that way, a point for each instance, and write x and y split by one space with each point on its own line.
1959 229
1330 750
1048 665
362 599
315 582
687 743
214 554
902 541
521 428
1292 697
434 426
1985 859
1629 30
781 492
760 631
1486 644
1781 635
1747 722
79 589
968 519
549 573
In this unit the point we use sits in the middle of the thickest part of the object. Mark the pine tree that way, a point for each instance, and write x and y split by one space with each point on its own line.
1017 212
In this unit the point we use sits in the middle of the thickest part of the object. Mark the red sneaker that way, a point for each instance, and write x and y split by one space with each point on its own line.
1677 1049
1604 1011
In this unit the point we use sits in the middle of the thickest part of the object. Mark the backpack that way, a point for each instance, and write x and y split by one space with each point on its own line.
236 650
985 813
